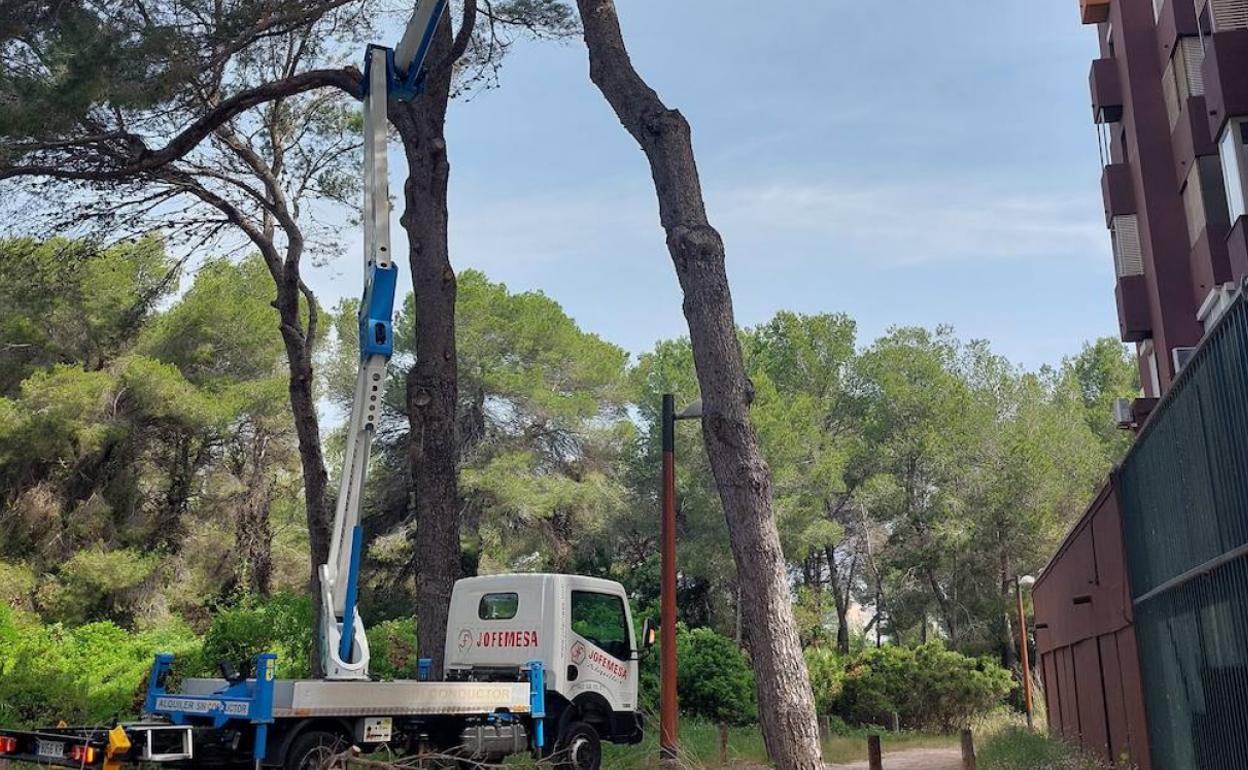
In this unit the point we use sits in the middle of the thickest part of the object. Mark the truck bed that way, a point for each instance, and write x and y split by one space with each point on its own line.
316 697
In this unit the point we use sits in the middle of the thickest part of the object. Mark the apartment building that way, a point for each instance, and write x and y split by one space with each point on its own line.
1170 101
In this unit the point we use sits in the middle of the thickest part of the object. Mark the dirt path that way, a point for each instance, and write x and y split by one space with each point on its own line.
913 759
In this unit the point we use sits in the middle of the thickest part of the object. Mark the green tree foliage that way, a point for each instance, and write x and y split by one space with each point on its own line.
70 302
148 473
542 419
1104 370
136 432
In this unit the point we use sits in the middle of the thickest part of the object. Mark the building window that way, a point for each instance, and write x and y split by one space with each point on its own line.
1125 234
1228 14
1203 194
1152 376
1193 207
1184 77
1233 149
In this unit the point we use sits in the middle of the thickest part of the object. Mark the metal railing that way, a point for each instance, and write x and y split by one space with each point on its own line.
1185 526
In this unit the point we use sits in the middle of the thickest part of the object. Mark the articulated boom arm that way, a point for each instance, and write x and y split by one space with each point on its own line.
398 73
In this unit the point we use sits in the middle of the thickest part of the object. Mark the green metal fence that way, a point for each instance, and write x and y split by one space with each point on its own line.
1185 525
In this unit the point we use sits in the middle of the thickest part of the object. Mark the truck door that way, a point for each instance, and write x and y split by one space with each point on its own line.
600 653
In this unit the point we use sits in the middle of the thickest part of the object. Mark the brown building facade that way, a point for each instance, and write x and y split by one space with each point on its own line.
1170 99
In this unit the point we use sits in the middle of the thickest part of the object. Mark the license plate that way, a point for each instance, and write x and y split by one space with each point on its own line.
52 749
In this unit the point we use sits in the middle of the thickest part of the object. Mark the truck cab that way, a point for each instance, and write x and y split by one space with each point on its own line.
579 628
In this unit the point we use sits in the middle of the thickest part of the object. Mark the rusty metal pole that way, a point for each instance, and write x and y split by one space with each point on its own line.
667 590
1024 656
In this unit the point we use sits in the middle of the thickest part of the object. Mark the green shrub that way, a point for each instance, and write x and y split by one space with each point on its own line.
92 674
714 680
392 645
827 677
281 624
928 687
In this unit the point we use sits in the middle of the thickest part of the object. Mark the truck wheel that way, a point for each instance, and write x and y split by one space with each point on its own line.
317 750
579 748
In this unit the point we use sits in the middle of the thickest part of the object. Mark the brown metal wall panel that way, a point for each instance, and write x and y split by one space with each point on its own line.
1052 690
1092 718
1070 696
1088 655
1133 696
1115 705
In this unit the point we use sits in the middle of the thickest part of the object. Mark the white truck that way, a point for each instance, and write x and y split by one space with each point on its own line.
545 664
580 628
525 654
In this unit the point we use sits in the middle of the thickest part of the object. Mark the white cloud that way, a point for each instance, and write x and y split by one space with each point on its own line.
899 225
881 224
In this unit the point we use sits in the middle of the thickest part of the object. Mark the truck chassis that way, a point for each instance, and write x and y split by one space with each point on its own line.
297 724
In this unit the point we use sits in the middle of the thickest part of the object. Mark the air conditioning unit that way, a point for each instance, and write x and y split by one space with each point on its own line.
1122 413
1181 357
1217 301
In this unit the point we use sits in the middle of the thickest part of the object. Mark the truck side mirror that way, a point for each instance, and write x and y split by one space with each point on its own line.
647 634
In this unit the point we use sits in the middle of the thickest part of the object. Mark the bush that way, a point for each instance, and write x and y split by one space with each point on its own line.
392 645
93 674
928 687
281 624
827 677
714 680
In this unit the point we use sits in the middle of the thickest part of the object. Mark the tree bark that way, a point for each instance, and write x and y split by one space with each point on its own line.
786 707
841 587
433 381
253 532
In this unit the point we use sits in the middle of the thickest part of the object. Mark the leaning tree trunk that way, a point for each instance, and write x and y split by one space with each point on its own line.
299 341
786 707
433 381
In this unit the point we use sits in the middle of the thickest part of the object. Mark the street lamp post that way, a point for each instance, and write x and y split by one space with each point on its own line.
1026 581
667 580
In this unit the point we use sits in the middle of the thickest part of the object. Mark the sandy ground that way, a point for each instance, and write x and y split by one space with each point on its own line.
914 759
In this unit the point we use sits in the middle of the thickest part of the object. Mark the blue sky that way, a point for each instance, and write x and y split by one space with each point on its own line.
915 162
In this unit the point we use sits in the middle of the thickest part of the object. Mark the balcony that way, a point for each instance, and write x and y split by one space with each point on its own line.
1176 19
1094 11
1191 139
1117 191
1106 89
1226 88
1134 321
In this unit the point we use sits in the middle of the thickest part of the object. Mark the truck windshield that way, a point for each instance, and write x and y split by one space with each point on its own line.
599 618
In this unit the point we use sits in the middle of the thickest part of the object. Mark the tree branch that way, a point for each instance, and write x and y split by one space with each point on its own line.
140 159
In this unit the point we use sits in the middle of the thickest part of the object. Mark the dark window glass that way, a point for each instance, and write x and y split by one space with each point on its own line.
498 606
600 619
